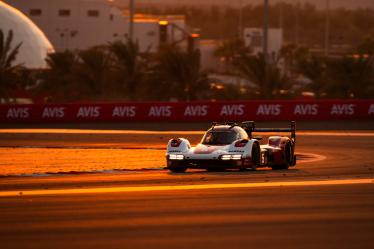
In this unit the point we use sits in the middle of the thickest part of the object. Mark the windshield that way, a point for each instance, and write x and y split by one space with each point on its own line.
220 137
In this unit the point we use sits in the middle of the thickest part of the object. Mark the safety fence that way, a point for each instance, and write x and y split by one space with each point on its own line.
191 111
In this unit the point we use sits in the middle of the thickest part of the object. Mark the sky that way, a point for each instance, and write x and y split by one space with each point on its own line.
236 3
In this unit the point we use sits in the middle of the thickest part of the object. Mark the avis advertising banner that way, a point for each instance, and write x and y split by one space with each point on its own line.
191 111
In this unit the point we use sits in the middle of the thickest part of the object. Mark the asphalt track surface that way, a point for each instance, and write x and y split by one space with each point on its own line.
324 203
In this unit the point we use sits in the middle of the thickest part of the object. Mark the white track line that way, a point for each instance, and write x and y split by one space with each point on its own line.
312 157
184 187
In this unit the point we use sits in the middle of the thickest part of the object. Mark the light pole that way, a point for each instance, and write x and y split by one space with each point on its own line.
297 26
265 42
266 29
131 19
240 19
281 16
327 29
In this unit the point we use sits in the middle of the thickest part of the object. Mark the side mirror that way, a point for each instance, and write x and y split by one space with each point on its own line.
258 138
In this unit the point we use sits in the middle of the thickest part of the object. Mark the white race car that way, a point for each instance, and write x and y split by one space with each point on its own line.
231 145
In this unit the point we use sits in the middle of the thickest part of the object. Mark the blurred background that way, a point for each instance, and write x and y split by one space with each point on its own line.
69 51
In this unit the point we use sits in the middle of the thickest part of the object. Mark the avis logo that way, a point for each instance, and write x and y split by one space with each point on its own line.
307 109
229 110
273 110
199 110
371 109
159 111
343 109
53 112
88 112
124 111
18 112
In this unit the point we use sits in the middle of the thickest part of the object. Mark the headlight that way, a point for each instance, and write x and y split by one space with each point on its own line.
226 157
231 157
236 157
176 157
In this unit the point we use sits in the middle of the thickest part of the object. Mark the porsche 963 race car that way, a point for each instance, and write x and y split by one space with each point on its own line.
233 146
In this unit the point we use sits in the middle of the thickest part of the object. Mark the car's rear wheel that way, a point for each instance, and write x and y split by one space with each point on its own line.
288 158
176 167
280 167
294 161
288 155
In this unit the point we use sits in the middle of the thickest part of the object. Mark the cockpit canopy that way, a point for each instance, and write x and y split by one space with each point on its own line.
223 135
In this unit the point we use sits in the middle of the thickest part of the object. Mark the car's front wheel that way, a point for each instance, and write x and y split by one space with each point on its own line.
176 167
255 156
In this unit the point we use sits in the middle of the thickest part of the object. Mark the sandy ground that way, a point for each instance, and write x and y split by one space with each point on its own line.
320 216
41 151
338 155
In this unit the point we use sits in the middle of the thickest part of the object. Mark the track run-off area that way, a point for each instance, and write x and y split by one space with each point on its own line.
37 152
108 189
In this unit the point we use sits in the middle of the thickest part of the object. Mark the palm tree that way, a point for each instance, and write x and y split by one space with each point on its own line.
351 77
366 47
8 71
129 66
58 81
231 49
344 77
314 68
292 56
94 72
252 68
181 74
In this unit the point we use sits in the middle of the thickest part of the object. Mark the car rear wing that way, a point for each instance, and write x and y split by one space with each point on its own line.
250 127
226 123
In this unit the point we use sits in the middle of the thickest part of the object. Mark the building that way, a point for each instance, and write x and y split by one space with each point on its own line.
80 24
75 24
253 37
148 29
35 45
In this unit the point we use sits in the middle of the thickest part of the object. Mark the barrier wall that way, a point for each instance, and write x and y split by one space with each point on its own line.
191 111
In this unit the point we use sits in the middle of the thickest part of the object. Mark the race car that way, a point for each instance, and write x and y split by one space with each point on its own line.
232 145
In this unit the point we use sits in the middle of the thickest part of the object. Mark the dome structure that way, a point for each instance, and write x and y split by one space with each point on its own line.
35 45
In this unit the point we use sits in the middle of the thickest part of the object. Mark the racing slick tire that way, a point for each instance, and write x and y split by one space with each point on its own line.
288 158
294 161
176 167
